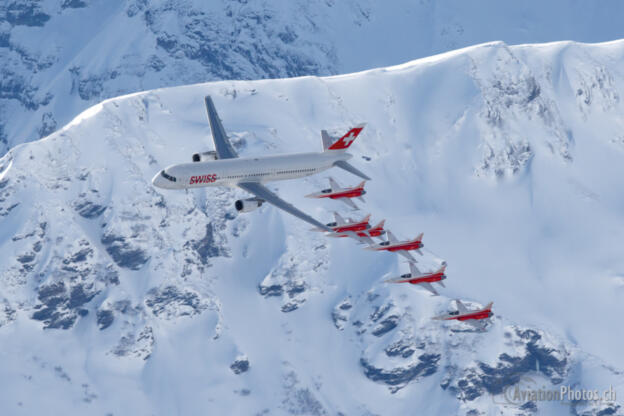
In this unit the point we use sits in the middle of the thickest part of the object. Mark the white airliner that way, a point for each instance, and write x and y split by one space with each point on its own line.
223 167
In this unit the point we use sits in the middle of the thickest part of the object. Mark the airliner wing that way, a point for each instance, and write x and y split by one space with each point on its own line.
223 147
263 193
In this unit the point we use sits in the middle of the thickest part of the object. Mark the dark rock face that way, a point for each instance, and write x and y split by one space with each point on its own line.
240 366
272 290
272 54
48 124
399 377
123 253
17 87
79 256
172 302
79 296
386 326
59 307
207 246
88 209
509 370
289 307
400 348
340 314
25 13
105 318
73 4
380 311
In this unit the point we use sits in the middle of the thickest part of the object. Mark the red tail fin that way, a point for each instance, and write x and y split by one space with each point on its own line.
380 225
345 141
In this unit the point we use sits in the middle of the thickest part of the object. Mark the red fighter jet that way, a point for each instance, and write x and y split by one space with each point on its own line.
360 230
400 247
335 191
415 277
475 317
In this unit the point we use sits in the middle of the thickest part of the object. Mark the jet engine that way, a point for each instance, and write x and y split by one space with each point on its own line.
202 157
248 205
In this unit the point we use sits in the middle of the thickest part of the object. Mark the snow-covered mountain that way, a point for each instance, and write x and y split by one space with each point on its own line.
59 57
120 298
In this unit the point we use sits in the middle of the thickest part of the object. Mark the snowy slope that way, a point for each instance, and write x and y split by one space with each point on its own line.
118 297
59 57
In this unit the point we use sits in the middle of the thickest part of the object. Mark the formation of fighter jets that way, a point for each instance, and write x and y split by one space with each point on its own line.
223 167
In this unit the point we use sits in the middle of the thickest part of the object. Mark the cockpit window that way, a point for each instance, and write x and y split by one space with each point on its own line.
166 176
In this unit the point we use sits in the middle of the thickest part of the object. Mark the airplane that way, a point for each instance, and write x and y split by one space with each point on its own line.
360 230
340 225
223 167
424 279
335 191
401 247
474 317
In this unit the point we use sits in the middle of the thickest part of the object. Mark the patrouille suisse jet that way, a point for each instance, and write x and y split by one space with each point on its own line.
223 167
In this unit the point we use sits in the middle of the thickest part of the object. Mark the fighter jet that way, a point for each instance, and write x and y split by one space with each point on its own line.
475 317
400 247
424 279
223 167
340 225
359 230
335 191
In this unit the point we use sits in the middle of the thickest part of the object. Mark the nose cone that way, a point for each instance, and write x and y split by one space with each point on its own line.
159 182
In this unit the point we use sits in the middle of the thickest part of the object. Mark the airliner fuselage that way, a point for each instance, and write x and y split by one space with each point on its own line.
231 172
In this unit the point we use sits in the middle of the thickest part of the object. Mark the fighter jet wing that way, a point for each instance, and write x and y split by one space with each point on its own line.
223 147
461 308
263 193
333 184
430 288
361 239
413 269
477 324
391 238
338 218
407 255
349 202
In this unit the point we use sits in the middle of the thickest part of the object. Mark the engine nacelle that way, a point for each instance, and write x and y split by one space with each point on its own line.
248 205
205 156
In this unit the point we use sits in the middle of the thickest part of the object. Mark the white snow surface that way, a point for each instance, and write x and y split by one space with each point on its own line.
57 58
509 159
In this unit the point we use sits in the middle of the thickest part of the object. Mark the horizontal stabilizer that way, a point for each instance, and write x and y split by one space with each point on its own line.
349 168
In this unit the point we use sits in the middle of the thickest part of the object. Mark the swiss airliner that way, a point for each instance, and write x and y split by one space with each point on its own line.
223 167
